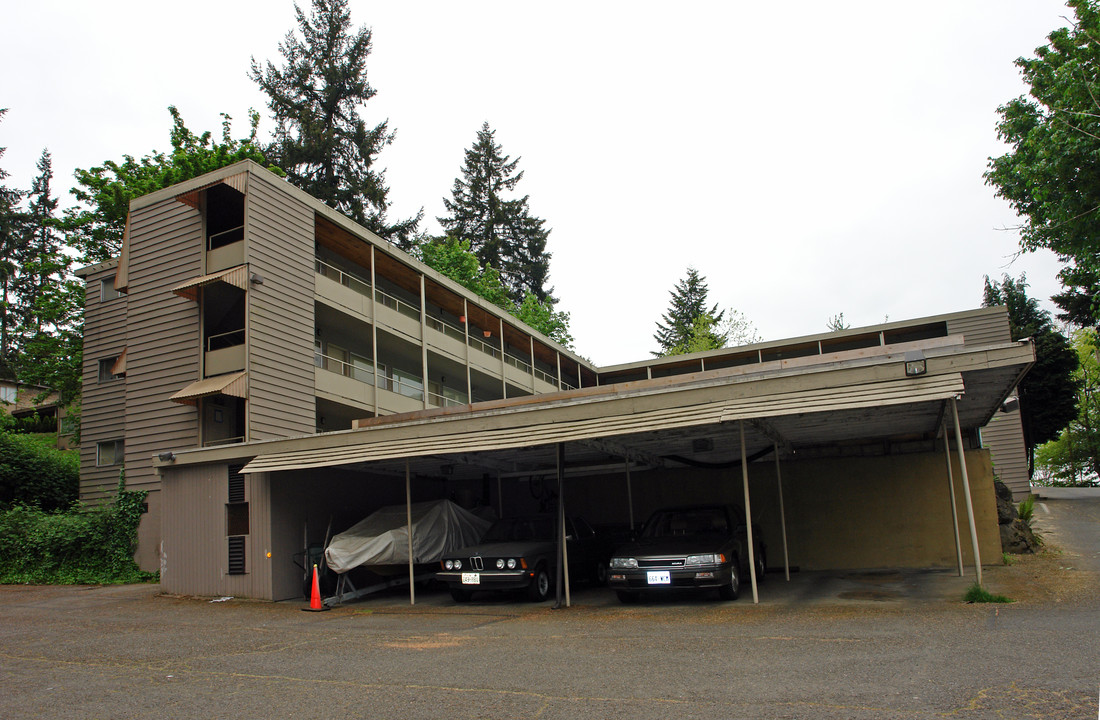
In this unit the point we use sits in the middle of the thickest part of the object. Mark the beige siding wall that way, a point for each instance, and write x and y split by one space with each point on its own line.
195 548
102 404
892 511
162 341
1004 436
983 327
281 320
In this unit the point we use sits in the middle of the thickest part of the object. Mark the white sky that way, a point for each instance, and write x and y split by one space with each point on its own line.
809 158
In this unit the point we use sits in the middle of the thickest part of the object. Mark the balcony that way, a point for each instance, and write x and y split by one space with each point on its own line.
224 353
225 249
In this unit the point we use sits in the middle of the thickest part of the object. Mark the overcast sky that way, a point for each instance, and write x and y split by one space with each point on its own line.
808 158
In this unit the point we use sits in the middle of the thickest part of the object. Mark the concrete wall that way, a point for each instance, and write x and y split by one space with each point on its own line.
841 513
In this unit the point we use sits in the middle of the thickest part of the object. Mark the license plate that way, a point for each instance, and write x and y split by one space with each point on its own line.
659 577
471 578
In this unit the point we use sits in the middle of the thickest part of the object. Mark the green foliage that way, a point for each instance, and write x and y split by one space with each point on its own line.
500 230
452 257
1026 510
106 191
1051 175
34 473
836 323
1007 559
1048 393
977 594
320 139
81 545
1073 458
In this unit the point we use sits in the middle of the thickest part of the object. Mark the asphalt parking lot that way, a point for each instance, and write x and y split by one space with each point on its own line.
827 645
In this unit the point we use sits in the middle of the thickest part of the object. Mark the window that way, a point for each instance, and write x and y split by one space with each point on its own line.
66 426
106 366
109 453
8 394
107 290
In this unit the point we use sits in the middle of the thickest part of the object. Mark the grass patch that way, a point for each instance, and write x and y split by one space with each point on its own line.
1008 559
977 594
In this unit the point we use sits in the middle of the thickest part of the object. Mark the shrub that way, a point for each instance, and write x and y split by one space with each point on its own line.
34 473
81 545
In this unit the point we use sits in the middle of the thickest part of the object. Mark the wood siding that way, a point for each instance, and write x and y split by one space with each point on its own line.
162 335
195 548
1004 437
981 327
279 232
102 404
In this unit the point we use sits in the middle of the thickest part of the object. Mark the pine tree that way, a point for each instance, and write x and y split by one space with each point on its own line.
320 140
12 243
689 325
44 264
501 231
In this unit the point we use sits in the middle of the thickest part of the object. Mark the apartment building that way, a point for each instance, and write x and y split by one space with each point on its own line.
242 310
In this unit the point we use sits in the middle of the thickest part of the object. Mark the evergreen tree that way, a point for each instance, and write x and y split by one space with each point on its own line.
501 230
320 140
689 325
1048 393
45 264
13 240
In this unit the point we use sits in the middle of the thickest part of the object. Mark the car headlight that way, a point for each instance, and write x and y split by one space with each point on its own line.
624 562
500 563
458 564
511 563
448 565
705 559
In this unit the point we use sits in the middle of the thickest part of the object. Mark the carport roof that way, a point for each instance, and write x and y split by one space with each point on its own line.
801 404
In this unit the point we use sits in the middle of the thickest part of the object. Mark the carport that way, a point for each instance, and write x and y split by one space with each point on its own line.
905 398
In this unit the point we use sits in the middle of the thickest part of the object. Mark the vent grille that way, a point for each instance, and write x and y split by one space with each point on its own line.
236 484
236 555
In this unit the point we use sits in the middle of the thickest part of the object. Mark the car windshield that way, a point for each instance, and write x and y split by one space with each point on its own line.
512 529
696 521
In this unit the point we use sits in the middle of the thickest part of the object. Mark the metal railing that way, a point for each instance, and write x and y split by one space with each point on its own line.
443 401
400 306
225 340
348 280
447 329
342 367
483 347
225 237
546 377
515 362
224 441
408 387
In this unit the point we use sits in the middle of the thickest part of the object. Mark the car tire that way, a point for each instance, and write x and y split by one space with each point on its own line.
539 589
460 594
732 589
599 574
627 597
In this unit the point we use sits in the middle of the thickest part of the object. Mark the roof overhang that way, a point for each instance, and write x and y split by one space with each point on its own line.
235 276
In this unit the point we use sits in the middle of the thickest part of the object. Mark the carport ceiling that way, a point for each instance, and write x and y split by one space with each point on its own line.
869 404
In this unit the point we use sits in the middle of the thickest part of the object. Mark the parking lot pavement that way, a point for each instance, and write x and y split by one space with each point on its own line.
841 645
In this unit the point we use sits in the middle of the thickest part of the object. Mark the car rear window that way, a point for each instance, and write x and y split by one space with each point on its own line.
697 521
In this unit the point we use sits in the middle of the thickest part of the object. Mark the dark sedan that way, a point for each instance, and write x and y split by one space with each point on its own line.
521 554
703 546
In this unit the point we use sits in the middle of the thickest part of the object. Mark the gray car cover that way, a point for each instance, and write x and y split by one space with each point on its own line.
382 537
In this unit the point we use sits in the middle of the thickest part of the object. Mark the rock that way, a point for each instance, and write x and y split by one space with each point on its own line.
1017 538
1006 511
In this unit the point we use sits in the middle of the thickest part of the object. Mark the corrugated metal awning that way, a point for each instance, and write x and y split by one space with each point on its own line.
236 276
528 432
238 182
119 368
232 384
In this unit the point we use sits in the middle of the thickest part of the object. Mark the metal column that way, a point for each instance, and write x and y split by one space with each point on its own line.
966 492
748 513
951 490
782 514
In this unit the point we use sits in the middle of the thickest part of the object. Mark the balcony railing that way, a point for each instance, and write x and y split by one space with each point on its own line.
346 279
545 377
515 362
225 237
223 441
483 347
400 306
409 387
225 340
342 367
447 329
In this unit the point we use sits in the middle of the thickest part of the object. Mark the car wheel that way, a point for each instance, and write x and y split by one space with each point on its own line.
599 574
732 589
539 589
626 597
460 594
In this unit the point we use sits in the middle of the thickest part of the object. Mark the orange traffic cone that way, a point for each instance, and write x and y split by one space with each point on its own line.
315 599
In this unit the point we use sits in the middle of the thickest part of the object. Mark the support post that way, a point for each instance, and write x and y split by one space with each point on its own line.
629 495
951 490
563 550
409 520
966 492
782 514
748 513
